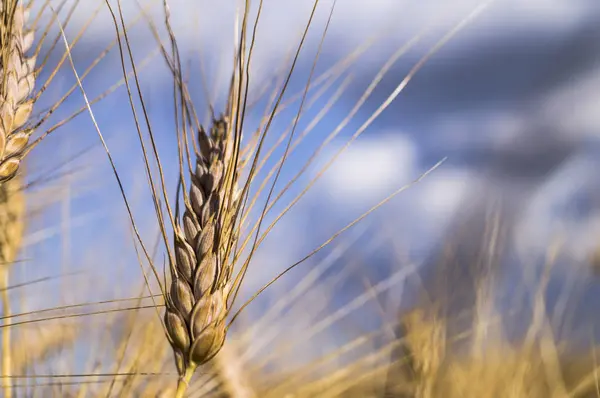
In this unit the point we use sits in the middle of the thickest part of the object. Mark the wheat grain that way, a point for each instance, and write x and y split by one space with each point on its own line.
196 305
18 77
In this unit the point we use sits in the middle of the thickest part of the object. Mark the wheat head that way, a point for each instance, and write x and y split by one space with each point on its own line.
18 77
196 305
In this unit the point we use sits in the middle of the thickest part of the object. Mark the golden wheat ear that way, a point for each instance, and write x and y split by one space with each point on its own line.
18 77
28 68
196 305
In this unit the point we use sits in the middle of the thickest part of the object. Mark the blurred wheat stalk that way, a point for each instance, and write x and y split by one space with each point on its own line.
12 211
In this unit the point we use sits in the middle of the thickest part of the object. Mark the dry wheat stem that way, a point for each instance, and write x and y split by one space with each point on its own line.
12 209
18 77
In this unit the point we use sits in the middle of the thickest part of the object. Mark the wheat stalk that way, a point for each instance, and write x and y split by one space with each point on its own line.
18 79
425 343
12 209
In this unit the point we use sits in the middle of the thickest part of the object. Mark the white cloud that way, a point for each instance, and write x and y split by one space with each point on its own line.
370 169
574 106
547 220
442 192
480 129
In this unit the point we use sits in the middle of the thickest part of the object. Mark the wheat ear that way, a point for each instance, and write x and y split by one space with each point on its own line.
12 209
196 305
18 77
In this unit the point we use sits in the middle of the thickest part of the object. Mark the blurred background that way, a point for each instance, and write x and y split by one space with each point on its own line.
510 102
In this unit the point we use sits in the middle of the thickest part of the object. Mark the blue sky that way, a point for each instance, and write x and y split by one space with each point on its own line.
511 101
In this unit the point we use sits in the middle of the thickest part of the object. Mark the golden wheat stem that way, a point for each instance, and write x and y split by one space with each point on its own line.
6 351
12 208
184 381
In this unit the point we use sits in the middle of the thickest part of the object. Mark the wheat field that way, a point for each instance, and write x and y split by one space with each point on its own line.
314 198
